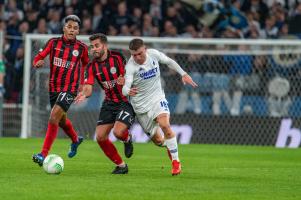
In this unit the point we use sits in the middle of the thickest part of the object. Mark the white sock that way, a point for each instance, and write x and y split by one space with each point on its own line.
172 146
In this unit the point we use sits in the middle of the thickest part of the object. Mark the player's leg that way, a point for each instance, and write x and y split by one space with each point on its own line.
104 125
152 129
64 100
171 142
124 120
102 133
67 126
159 140
52 130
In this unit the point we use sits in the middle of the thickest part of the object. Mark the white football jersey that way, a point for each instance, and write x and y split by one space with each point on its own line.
146 78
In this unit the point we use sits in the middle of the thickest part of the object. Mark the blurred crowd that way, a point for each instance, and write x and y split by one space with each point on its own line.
153 18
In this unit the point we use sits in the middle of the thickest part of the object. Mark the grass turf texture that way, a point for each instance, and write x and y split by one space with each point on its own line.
209 172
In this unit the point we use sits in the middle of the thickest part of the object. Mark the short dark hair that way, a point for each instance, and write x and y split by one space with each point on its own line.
102 37
72 18
135 44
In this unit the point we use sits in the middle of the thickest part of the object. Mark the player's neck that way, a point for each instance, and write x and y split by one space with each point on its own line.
68 40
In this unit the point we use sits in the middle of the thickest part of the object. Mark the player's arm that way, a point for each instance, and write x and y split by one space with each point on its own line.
127 89
162 58
122 62
38 60
84 61
87 87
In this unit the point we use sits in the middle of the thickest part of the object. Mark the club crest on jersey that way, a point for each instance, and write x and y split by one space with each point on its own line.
113 70
75 53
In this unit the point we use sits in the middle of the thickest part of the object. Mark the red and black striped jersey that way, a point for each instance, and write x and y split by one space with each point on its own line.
106 73
68 60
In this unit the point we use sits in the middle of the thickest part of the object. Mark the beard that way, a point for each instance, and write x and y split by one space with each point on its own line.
99 54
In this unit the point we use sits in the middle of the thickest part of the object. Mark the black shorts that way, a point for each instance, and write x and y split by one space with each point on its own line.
111 112
63 99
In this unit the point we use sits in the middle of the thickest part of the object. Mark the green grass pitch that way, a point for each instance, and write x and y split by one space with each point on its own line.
209 172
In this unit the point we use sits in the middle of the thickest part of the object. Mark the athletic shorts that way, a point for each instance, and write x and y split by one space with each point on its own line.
111 112
148 120
63 99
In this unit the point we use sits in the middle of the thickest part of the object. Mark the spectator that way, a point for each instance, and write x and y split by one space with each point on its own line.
257 6
99 21
42 27
294 20
147 25
11 10
122 17
169 30
86 26
270 30
136 19
54 23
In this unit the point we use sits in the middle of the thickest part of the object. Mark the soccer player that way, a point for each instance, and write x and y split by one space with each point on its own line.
143 85
68 58
116 112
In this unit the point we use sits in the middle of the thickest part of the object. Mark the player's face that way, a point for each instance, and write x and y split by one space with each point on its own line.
71 30
139 55
97 48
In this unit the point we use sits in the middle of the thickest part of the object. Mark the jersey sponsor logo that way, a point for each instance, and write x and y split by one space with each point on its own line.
109 84
75 53
62 63
148 74
113 70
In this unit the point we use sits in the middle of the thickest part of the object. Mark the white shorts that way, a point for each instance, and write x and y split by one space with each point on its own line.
147 120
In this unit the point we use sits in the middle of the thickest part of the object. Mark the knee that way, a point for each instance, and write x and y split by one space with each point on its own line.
118 133
53 119
100 138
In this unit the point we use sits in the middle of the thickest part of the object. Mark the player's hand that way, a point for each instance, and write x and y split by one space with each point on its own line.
39 64
133 91
186 79
80 88
120 80
79 98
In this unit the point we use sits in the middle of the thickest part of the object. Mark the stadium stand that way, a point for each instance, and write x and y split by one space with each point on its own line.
251 19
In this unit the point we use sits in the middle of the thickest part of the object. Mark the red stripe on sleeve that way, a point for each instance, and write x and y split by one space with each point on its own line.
42 54
85 61
90 75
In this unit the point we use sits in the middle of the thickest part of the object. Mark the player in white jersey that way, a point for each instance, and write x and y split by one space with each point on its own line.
143 85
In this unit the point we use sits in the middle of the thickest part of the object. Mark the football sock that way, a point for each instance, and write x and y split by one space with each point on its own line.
69 130
125 136
173 148
110 151
49 138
